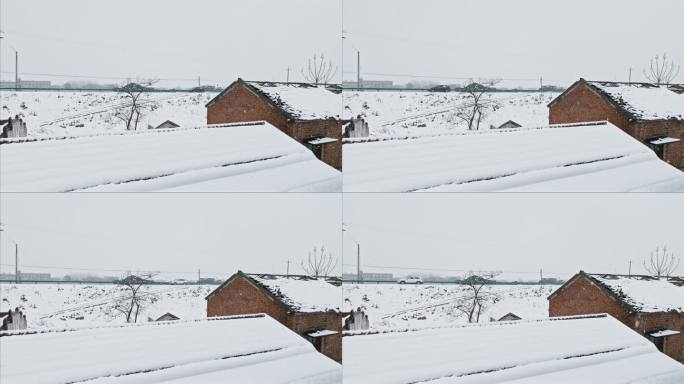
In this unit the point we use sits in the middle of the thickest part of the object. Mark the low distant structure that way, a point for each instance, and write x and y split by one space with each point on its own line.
653 307
509 124
356 127
26 276
12 320
577 349
166 124
580 157
239 349
308 113
510 316
12 128
240 157
168 317
368 276
304 304
356 320
652 114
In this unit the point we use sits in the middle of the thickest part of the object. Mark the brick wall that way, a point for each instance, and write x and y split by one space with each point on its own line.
304 323
582 104
241 297
240 104
582 297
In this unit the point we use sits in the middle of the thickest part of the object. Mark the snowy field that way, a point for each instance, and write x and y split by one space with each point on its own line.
418 113
76 305
394 306
65 113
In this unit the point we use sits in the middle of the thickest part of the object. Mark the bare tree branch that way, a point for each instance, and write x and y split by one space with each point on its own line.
320 262
135 297
319 71
479 103
135 104
661 263
478 294
661 70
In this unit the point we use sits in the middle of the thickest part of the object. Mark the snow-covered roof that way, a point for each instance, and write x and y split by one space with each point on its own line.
643 101
644 293
302 293
664 333
247 157
584 349
245 348
584 157
301 100
664 140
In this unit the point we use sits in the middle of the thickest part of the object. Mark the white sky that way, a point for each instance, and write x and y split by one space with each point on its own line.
169 232
217 40
560 233
559 40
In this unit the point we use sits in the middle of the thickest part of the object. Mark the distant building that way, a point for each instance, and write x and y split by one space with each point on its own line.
510 316
304 304
653 307
368 276
652 114
308 113
26 276
26 84
509 124
166 124
368 84
168 317
12 320
12 128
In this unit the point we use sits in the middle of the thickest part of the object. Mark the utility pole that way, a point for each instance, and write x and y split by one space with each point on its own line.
199 83
358 262
16 263
199 277
358 70
16 69
541 276
288 81
630 264
288 262
630 82
541 86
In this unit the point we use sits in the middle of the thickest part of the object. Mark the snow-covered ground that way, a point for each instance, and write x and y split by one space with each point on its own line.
394 306
418 113
65 113
75 305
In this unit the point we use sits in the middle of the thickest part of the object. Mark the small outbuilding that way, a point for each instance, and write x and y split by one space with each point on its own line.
309 113
12 320
304 304
509 124
168 317
651 306
652 114
166 124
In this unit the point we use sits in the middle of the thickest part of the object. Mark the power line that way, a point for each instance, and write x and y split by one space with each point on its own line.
535 79
445 269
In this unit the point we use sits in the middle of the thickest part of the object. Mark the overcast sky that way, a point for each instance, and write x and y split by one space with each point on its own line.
219 233
218 40
515 233
559 40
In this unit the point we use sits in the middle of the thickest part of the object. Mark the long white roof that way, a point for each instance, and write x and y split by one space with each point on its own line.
245 157
574 157
585 349
645 293
246 349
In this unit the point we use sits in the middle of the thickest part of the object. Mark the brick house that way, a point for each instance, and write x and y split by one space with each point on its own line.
651 306
305 305
308 113
654 115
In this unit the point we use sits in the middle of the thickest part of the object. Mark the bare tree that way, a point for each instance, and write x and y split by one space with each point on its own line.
319 71
662 70
319 263
661 263
135 104
478 296
478 103
135 297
